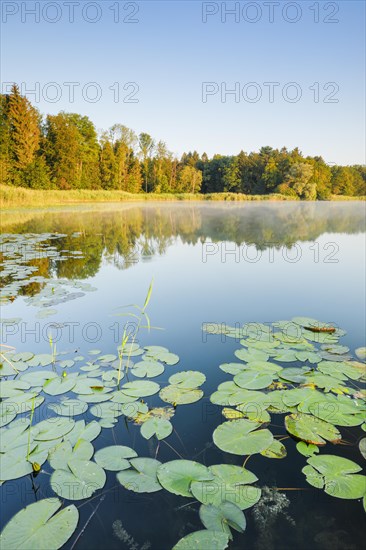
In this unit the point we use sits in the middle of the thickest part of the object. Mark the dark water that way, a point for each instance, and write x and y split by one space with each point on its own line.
223 263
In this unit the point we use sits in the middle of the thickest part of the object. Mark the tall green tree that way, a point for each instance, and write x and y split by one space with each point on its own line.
146 144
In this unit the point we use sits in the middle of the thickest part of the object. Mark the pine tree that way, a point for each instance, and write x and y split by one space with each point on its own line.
24 122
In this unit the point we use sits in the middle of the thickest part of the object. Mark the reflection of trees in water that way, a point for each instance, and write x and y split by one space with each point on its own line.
130 233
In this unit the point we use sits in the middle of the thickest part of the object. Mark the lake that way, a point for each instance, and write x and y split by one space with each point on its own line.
69 270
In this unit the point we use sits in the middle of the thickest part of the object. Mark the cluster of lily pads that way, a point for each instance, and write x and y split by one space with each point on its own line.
316 398
20 257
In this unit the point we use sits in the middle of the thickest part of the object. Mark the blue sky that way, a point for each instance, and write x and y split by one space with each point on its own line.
169 52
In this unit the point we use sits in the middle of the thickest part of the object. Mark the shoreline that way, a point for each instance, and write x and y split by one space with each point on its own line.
21 197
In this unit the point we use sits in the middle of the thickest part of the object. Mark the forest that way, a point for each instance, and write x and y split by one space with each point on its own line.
65 151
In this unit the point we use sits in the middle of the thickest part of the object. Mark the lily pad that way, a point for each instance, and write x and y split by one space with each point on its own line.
115 457
140 388
160 427
53 428
141 478
307 449
189 379
176 476
253 380
68 407
339 476
241 437
222 517
81 479
229 483
275 450
311 429
38 526
150 369
180 396
199 540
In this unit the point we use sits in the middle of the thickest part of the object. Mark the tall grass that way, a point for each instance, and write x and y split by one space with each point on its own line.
20 196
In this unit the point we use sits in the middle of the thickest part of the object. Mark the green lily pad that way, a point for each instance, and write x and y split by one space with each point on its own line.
141 478
150 369
205 539
229 483
176 476
107 358
13 465
38 526
59 385
23 356
251 355
115 457
81 479
176 395
68 407
311 429
41 360
161 427
307 449
189 379
140 388
59 455
339 476
253 380
87 432
222 517
11 388
241 437
275 450
361 353
53 428
362 447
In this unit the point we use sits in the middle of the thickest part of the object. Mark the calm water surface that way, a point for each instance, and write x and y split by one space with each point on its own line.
222 263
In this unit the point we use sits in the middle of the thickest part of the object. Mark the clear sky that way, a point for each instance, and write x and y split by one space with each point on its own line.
165 67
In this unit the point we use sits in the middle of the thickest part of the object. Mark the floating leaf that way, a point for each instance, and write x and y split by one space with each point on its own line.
87 432
339 476
251 355
53 428
38 526
311 429
114 457
41 360
13 465
229 483
199 540
307 449
222 517
150 369
160 427
241 437
176 476
69 407
59 385
189 379
142 477
60 454
140 388
180 396
361 353
275 450
81 479
23 356
253 380
362 447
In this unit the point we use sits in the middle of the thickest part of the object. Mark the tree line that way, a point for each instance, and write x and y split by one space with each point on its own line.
65 151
